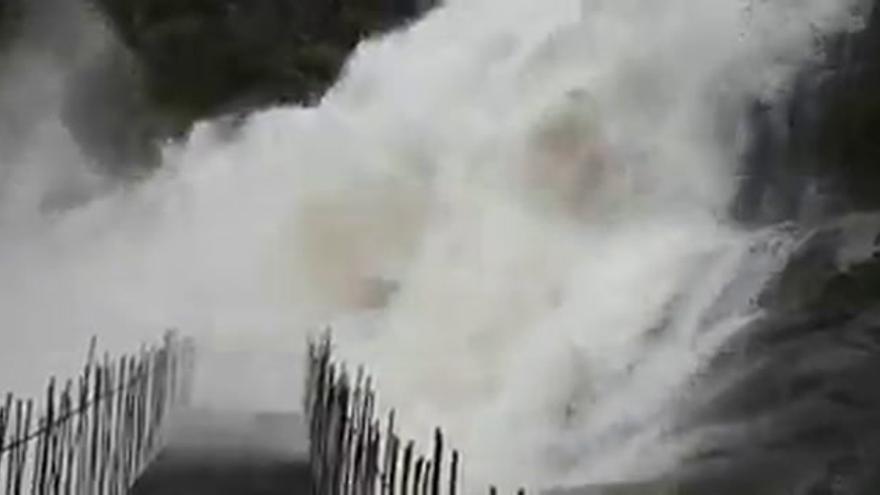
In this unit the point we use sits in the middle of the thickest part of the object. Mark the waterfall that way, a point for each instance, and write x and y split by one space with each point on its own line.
514 212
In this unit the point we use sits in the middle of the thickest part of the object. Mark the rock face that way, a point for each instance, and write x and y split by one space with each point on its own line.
817 153
185 60
793 406
199 55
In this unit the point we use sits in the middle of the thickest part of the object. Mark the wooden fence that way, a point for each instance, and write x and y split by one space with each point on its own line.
95 434
352 453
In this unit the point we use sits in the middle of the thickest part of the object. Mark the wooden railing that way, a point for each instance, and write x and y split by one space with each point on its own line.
353 453
95 434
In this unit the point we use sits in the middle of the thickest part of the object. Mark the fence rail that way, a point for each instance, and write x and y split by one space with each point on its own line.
350 451
95 434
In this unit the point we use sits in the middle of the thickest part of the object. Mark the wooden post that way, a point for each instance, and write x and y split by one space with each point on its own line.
395 451
387 482
417 479
437 462
453 474
5 411
407 466
426 478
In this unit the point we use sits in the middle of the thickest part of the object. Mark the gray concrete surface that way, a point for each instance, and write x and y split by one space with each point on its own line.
210 453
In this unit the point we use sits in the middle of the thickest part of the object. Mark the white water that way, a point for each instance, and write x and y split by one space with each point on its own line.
514 211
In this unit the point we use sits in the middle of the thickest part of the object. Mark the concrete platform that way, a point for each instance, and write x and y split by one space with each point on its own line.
212 453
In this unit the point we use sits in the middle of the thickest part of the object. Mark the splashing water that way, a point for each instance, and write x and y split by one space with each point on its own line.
514 211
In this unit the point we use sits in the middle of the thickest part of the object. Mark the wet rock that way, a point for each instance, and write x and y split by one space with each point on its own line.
816 153
792 406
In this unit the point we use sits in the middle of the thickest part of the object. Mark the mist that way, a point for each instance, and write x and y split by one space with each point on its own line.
514 212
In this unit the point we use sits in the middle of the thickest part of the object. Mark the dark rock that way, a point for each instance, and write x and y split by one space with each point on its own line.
795 395
187 60
141 72
817 152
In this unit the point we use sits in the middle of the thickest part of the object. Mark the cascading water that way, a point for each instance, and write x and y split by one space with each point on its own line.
514 211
